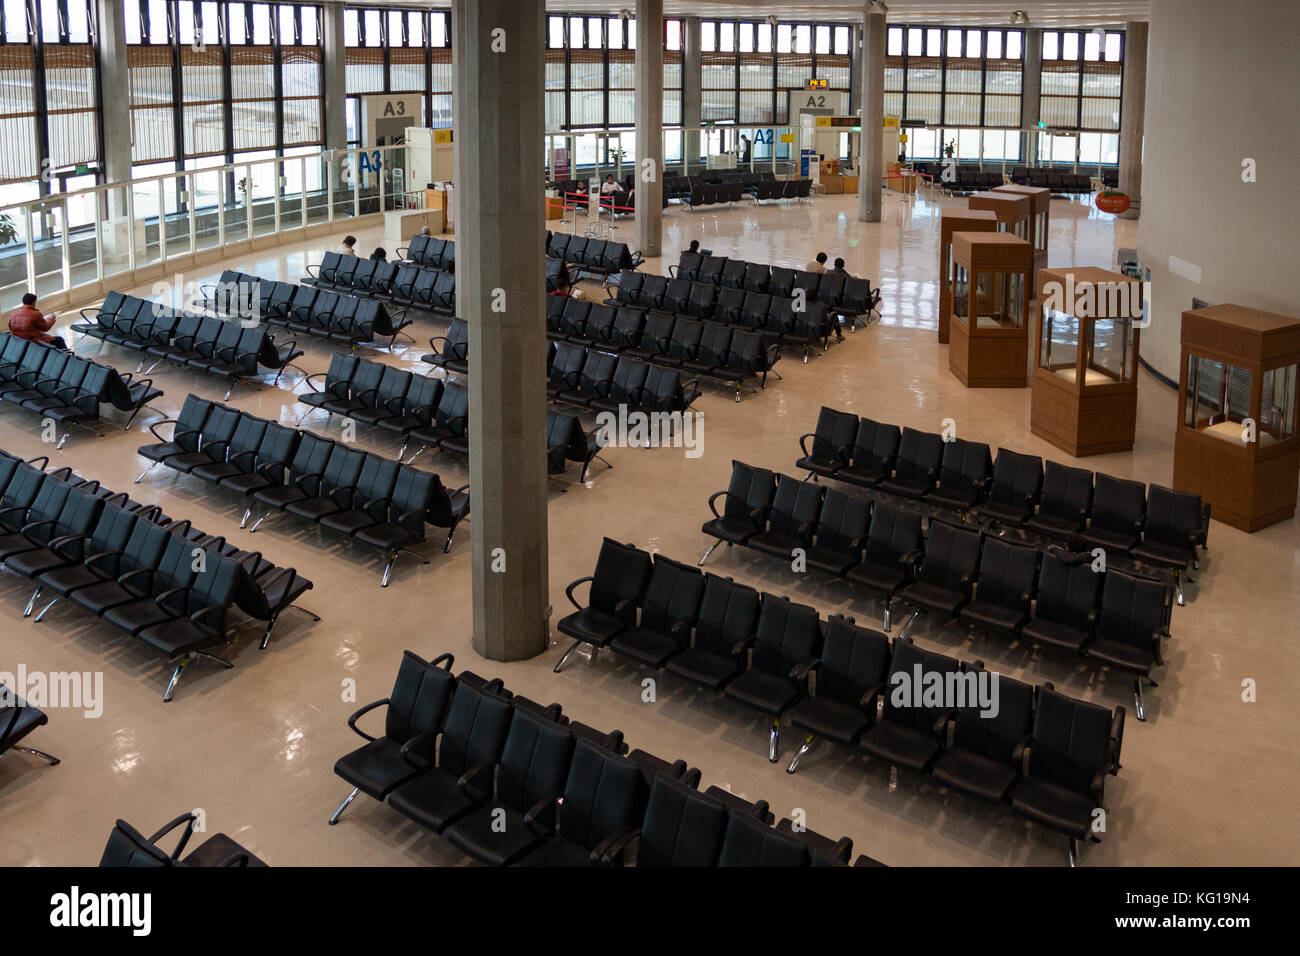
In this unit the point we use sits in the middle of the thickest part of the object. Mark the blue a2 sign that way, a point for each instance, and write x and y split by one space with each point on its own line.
764 136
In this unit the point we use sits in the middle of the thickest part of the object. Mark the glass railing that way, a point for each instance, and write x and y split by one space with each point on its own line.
63 243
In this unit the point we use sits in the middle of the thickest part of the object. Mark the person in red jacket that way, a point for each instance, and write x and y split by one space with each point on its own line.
26 322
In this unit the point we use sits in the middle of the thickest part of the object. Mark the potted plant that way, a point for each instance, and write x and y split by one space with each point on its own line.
243 188
950 148
8 231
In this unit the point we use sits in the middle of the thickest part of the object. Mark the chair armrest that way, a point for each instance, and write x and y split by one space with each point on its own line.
352 721
805 667
467 781
540 819
614 846
803 442
187 818
568 591
407 751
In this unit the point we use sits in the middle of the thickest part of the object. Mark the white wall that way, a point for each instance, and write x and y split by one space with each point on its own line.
1223 84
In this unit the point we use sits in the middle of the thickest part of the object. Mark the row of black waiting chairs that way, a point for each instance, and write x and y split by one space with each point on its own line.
232 349
65 388
305 309
726 353
428 411
1052 597
1157 527
1065 182
838 680
430 251
513 783
280 470
592 256
403 283
789 319
847 296
605 382
162 581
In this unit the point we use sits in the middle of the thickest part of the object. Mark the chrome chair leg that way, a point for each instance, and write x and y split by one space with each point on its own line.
774 740
709 552
344 805
563 660
54 761
806 746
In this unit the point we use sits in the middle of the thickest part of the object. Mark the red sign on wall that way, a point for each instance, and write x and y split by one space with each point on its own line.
1112 201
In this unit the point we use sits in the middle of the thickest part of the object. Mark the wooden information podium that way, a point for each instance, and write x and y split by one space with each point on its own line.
1040 206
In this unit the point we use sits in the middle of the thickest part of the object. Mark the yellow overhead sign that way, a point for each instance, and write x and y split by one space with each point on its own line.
442 136
891 122
787 137
823 121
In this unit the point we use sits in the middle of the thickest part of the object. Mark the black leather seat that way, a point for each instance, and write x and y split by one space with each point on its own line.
725 625
1115 521
18 719
916 469
617 587
748 841
851 671
1014 489
468 745
1008 579
668 613
1074 745
529 777
841 532
1065 501
874 451
964 474
1174 520
681 827
1065 608
832 443
128 848
945 577
894 544
910 732
1133 618
987 749
791 519
748 496
604 798
786 642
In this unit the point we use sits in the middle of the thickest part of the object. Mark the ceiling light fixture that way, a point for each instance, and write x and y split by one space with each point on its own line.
1019 17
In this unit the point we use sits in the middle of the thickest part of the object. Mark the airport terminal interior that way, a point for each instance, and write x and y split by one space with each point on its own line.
829 347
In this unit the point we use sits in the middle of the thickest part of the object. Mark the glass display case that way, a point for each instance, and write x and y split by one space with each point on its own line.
953 221
1012 210
1084 389
1236 443
1040 206
988 334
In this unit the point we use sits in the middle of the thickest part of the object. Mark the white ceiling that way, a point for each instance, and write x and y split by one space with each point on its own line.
1042 13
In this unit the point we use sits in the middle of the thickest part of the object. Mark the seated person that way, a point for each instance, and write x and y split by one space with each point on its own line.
26 322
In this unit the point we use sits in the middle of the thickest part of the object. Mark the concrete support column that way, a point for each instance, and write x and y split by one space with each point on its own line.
1031 85
117 231
692 95
855 82
499 50
334 76
1132 116
649 127
872 167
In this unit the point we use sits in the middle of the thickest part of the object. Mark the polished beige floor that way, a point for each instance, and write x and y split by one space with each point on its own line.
1206 780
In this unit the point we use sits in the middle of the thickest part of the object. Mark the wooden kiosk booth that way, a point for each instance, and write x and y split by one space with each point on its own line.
1085 376
1040 205
988 331
956 220
1012 210
1236 443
